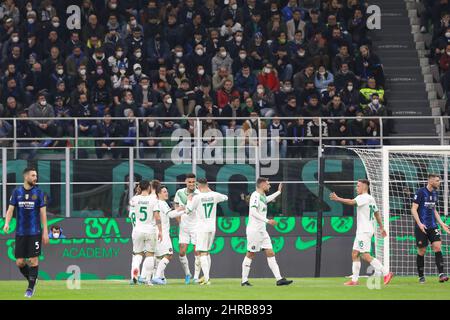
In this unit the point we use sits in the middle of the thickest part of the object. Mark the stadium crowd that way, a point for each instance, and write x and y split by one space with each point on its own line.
435 19
212 58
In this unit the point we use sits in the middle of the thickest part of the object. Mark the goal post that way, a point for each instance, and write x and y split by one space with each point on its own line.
395 173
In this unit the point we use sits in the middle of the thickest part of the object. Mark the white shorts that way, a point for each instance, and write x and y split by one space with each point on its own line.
258 240
143 242
205 241
187 236
164 247
363 242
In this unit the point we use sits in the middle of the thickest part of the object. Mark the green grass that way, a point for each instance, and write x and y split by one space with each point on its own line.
223 289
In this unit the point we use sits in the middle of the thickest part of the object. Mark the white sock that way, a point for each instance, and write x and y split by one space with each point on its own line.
209 261
246 268
379 268
205 267
185 265
136 264
157 260
161 267
273 265
356 266
198 267
148 267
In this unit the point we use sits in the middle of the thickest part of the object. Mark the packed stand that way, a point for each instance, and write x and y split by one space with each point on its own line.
217 59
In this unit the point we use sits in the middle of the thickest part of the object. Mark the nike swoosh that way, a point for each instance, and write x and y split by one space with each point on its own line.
52 221
305 245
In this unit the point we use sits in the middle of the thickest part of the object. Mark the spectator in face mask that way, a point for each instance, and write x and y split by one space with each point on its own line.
222 59
350 98
444 61
56 232
168 109
42 109
75 60
268 77
150 131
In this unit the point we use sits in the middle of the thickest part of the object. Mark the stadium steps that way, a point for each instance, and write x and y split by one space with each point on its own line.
406 91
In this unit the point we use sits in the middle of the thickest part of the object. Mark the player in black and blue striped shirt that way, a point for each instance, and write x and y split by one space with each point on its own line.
426 229
31 203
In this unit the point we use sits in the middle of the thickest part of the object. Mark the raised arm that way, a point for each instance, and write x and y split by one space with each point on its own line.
276 194
349 202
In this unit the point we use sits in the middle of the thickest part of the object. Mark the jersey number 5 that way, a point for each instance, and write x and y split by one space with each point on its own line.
143 210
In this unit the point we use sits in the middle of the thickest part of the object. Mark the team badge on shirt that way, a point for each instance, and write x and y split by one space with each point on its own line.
34 197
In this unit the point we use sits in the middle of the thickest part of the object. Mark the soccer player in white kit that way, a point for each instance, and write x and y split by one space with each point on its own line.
204 206
187 228
366 211
136 258
147 230
164 250
257 236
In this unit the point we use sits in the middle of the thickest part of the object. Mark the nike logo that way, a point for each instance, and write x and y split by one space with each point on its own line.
52 221
305 245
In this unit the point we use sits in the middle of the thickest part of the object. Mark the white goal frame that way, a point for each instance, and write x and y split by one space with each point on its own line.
385 152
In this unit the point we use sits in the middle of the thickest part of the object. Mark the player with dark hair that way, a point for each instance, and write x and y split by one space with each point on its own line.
257 236
31 203
367 212
187 228
426 230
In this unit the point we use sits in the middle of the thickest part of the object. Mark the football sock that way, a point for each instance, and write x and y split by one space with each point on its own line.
161 267
246 268
205 267
439 261
185 265
33 274
273 265
25 270
136 263
148 267
198 267
356 266
420 265
379 268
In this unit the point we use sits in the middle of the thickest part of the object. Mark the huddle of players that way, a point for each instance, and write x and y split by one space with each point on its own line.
196 213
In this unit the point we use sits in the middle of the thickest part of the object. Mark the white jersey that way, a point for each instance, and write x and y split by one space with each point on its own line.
144 220
131 211
181 197
164 210
366 208
204 206
258 211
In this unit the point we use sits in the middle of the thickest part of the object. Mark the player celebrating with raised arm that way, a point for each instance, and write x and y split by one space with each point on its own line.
147 229
366 211
257 237
426 230
31 204
204 205
187 228
164 250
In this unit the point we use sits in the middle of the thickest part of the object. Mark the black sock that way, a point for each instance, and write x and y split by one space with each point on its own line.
32 277
420 265
25 270
439 261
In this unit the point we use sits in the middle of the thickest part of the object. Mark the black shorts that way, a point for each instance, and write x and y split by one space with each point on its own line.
431 236
28 246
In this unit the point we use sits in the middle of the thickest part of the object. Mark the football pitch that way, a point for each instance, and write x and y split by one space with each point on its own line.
403 288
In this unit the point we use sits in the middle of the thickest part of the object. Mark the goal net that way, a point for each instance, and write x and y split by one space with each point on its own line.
395 174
